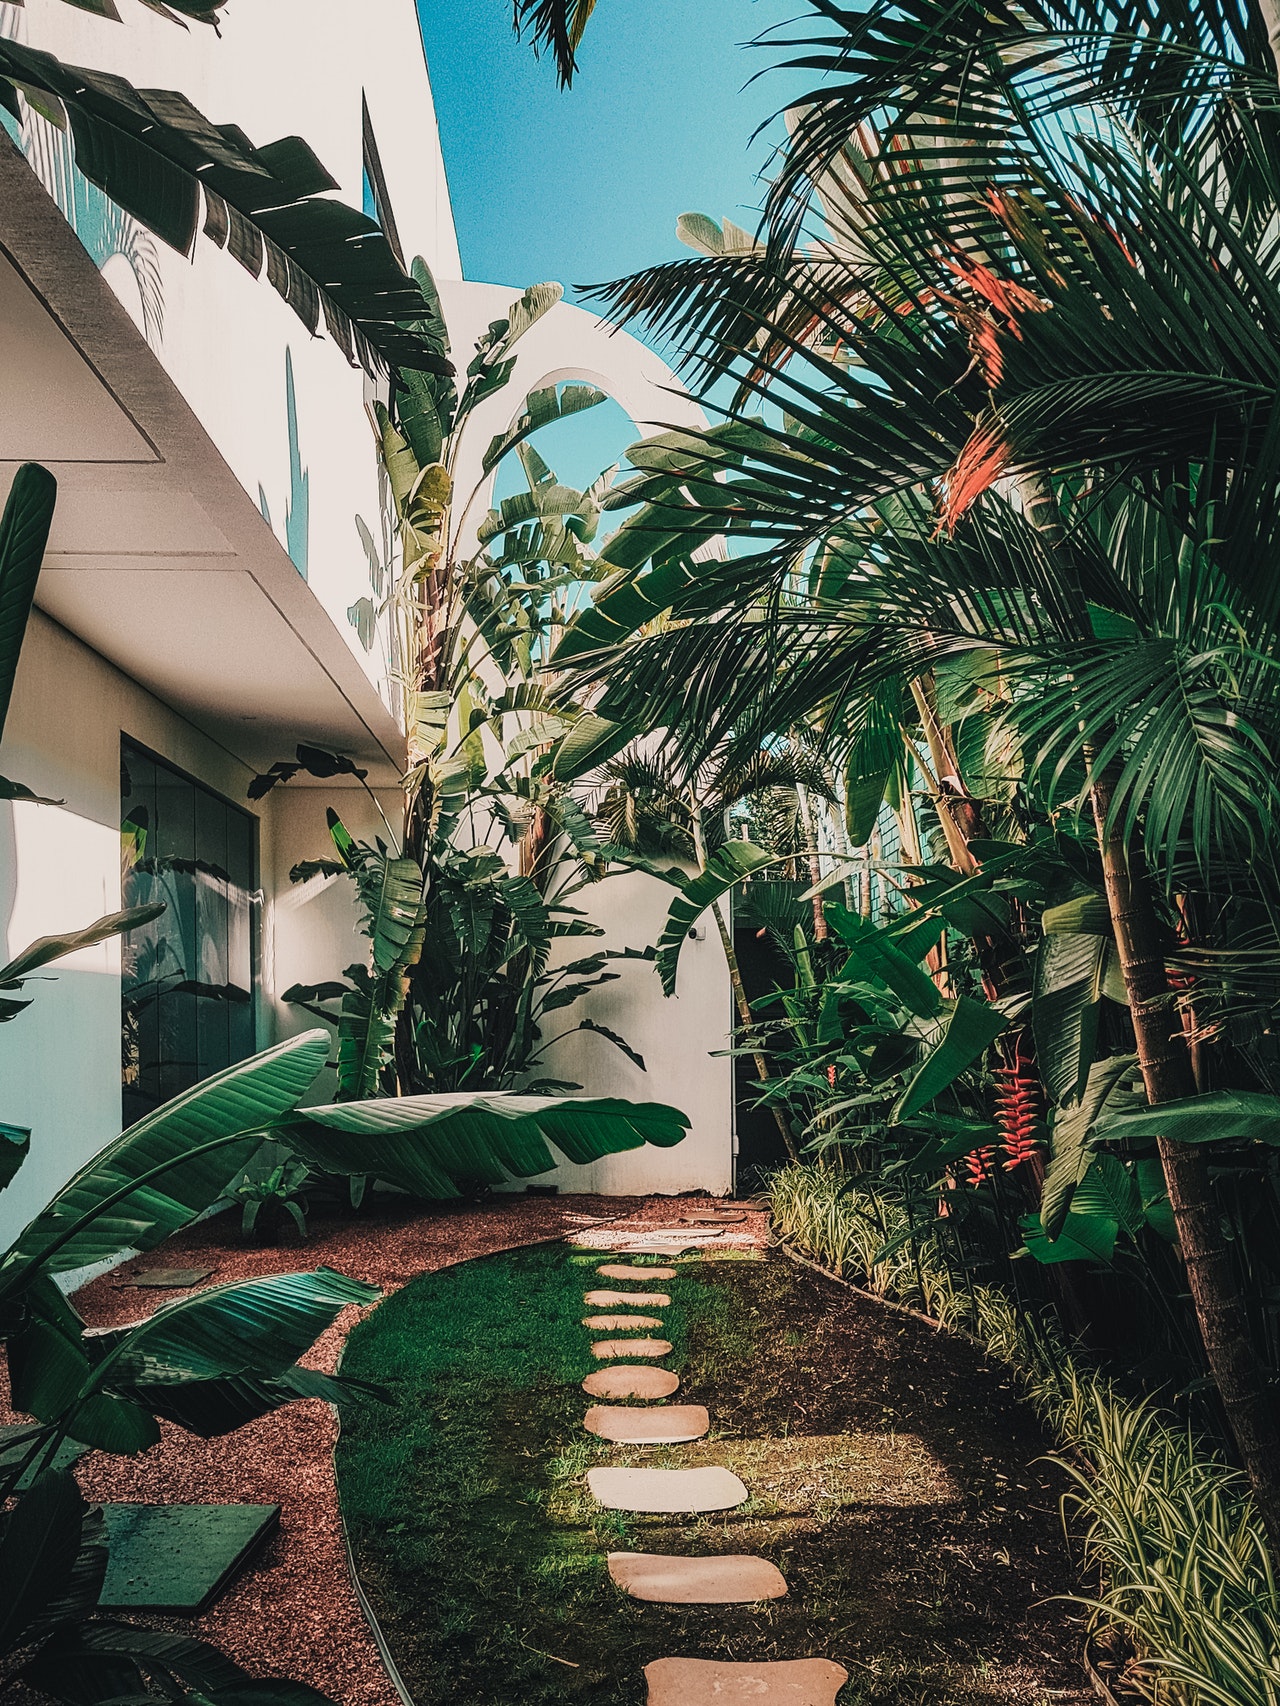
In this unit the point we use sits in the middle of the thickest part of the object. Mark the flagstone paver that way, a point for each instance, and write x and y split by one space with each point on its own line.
712 1682
670 1424
635 1271
682 1492
731 1579
605 1348
656 1299
611 1323
624 1382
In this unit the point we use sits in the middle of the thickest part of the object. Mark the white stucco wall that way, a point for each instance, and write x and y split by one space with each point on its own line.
228 341
59 870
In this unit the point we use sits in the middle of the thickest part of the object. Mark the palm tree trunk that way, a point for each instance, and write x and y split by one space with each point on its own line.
1166 1073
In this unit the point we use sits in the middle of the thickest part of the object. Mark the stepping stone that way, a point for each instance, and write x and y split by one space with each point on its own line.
168 1279
619 1270
631 1348
729 1580
178 1557
714 1682
696 1220
657 1299
639 1382
612 1323
672 1424
682 1492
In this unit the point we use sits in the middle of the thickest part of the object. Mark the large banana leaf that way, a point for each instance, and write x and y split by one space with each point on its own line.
428 1145
1066 993
39 1547
168 1167
727 866
90 1662
1219 1116
542 408
955 1042
258 1328
1070 1136
161 160
24 533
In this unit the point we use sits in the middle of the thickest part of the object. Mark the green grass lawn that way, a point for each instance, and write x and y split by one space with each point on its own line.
484 1556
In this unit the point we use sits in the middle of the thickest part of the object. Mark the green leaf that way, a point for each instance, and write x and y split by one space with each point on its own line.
15 1146
1066 991
1110 1192
78 1227
542 408
47 1370
879 955
967 1029
1220 1116
39 1546
161 160
49 948
727 866
429 1144
258 1327
1084 1238
24 533
1070 1134
591 742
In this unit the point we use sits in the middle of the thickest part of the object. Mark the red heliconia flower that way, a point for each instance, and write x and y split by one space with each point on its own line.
1018 1112
978 1164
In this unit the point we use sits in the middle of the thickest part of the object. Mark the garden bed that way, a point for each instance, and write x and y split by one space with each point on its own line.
294 1612
895 1479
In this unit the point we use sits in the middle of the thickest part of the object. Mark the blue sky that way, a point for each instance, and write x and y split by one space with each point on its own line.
585 185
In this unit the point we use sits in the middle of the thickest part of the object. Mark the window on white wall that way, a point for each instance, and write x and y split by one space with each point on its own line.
187 984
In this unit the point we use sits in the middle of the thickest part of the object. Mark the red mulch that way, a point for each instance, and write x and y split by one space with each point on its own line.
294 1612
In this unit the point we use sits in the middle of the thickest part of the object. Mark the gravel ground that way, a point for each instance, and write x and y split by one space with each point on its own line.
294 1612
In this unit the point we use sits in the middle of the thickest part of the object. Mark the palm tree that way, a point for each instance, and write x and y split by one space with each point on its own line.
1045 318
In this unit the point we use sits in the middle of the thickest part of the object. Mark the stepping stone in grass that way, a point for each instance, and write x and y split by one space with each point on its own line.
682 1492
615 1323
728 1580
604 1348
637 1271
713 1682
657 1299
672 1424
638 1382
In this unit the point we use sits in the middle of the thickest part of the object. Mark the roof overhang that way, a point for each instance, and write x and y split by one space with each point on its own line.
159 559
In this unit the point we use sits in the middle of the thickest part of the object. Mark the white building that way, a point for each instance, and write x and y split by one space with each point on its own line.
206 602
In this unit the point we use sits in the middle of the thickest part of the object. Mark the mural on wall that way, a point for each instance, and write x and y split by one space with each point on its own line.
297 508
119 247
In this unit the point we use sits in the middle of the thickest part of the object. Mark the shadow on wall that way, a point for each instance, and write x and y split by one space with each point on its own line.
297 508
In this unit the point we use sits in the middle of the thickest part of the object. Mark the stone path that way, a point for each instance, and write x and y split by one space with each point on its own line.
708 1581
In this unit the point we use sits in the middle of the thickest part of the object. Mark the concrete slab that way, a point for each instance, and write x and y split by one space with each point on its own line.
605 1299
714 1682
178 1557
620 1323
639 1382
734 1579
635 1271
672 1491
671 1424
169 1279
603 1349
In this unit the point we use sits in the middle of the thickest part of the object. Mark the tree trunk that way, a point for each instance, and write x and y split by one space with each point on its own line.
1219 1303
744 1014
